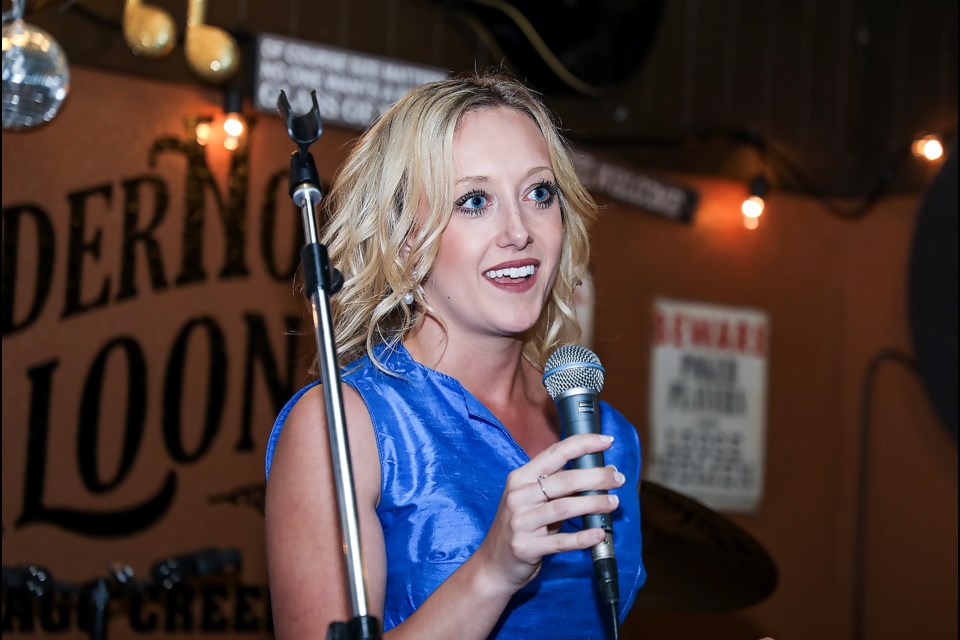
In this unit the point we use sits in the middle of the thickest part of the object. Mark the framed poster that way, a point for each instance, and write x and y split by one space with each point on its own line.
708 402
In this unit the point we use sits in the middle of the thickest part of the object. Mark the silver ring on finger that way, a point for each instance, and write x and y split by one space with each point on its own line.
540 482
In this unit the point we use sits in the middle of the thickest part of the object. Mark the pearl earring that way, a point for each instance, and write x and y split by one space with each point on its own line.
408 298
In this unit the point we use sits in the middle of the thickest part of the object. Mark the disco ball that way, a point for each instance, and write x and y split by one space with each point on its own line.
36 77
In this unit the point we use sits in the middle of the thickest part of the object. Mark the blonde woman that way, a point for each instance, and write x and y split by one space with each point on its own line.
461 230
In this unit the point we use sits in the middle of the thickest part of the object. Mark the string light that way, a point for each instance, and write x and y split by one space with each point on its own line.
207 130
929 147
778 162
753 205
203 132
233 124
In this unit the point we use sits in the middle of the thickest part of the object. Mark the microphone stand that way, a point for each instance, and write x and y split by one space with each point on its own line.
321 281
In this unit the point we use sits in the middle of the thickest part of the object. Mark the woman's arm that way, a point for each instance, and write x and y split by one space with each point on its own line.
304 551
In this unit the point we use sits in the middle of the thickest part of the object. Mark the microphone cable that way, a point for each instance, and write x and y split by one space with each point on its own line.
614 621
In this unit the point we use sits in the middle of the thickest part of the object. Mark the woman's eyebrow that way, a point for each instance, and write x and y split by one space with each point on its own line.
529 173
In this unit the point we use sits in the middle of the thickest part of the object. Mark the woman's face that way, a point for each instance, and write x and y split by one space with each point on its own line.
500 251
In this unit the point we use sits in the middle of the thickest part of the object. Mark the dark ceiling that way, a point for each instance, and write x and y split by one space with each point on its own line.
832 90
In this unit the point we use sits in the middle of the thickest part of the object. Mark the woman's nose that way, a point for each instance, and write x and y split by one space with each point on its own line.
516 231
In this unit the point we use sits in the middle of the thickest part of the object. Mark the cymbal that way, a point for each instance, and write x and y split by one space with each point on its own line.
696 560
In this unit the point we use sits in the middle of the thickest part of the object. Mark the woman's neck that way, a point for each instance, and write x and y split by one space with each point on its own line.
491 367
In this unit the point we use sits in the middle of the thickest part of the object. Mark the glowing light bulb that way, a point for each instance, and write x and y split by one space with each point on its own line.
233 125
929 147
231 143
752 207
203 132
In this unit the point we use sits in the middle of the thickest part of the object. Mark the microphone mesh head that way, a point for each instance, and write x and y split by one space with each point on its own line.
572 367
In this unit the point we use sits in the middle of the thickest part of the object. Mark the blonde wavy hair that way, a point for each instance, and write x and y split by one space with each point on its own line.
384 247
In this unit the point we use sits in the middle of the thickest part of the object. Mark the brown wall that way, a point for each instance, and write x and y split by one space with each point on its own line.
834 290
836 294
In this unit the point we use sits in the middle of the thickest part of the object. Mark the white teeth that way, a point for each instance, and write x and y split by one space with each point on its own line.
512 272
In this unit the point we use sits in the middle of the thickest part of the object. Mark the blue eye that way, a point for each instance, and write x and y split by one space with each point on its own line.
543 194
472 203
540 194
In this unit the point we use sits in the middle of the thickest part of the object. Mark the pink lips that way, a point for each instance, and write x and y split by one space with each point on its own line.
514 285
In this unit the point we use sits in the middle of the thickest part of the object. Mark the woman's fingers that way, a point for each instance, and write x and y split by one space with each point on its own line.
547 513
556 456
569 482
540 546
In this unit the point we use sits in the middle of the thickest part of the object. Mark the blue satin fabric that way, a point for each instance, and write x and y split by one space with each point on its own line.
444 460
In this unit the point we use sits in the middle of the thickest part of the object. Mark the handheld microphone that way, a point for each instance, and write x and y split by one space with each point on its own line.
573 377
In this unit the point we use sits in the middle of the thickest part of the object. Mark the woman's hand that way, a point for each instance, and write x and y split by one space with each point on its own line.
538 497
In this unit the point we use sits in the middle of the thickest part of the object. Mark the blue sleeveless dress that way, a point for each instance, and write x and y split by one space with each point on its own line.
444 460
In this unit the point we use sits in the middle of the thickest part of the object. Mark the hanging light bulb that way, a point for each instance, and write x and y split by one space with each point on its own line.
929 147
203 132
36 78
233 124
753 205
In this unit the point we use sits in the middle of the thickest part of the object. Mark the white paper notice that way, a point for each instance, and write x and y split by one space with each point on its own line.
708 402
